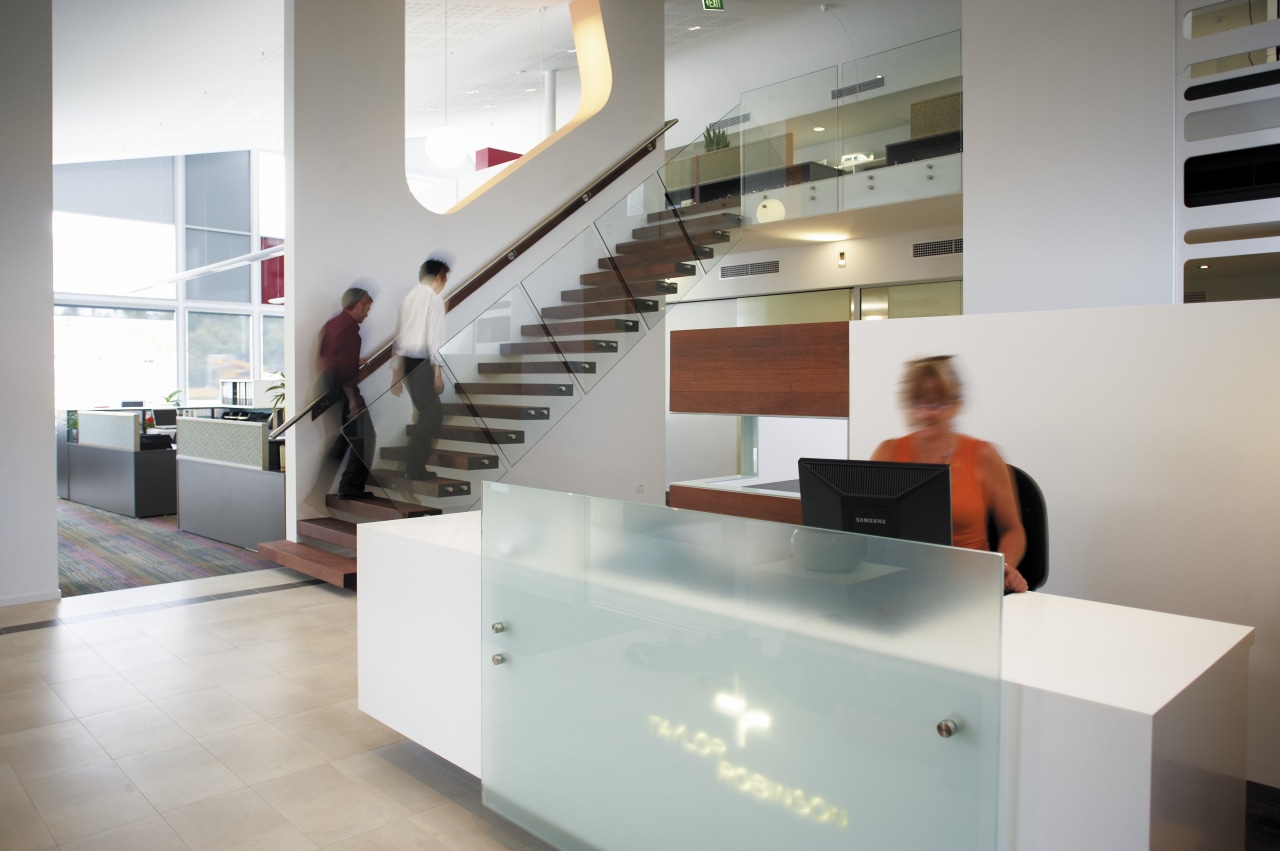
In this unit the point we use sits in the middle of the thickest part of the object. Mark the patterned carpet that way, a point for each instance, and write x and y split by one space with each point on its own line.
102 551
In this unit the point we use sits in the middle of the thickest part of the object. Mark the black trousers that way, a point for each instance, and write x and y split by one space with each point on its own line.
354 444
420 377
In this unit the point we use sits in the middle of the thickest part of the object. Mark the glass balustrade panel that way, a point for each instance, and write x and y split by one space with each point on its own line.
579 312
658 678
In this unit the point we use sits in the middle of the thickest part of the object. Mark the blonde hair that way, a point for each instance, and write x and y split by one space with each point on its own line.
921 371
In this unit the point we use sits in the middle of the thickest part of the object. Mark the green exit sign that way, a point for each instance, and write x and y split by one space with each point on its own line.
713 5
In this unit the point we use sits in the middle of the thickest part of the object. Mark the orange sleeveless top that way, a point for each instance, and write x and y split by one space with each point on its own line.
968 505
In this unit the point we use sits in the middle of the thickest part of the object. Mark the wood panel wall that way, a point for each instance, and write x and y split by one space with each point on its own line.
770 370
740 503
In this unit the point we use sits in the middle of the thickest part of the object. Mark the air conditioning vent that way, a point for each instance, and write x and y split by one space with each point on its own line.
731 121
1195 297
857 88
942 246
768 267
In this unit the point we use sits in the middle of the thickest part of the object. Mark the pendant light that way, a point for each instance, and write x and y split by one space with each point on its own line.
445 145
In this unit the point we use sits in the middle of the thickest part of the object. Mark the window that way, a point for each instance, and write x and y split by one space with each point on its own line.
272 345
217 349
104 355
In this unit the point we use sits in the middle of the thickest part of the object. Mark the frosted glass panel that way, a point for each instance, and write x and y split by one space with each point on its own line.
671 679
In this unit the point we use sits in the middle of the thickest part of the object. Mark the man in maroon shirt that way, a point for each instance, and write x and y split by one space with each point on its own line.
339 364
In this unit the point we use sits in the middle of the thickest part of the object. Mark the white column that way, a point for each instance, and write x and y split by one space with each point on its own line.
28 515
548 103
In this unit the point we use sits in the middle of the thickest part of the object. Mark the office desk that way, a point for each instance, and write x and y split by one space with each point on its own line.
1121 728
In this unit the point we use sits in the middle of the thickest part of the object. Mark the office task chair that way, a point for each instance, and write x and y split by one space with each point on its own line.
1035 520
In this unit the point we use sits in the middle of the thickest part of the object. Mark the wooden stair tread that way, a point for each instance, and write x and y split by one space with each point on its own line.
719 205
693 227
609 292
644 254
331 530
379 508
485 412
636 274
332 568
439 487
578 329
591 309
515 389
454 459
536 367
559 347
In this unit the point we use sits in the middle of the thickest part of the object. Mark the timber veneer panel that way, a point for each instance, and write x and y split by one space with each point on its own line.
769 370
739 503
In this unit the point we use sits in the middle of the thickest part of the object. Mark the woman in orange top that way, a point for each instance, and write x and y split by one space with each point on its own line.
980 481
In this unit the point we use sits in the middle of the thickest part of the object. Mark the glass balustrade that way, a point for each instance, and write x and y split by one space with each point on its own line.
658 678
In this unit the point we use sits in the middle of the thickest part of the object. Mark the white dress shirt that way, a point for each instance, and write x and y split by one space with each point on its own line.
420 324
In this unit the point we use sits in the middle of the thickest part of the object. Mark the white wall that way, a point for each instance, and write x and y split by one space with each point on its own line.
1068 155
351 214
28 515
1151 431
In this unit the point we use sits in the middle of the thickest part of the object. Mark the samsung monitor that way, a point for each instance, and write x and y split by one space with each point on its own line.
885 498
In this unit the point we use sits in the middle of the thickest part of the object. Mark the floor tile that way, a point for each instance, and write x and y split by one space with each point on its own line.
151 834
18 675
179 775
37 641
241 631
228 666
401 772
133 653
134 730
260 752
396 836
35 707
9 649
97 694
8 777
203 713
21 828
47 751
335 681
105 630
336 733
88 801
28 613
292 622
326 805
275 695
337 613
287 654
166 679
241 820
186 639
69 663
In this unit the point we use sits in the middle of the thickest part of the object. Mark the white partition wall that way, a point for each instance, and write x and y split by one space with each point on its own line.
1151 431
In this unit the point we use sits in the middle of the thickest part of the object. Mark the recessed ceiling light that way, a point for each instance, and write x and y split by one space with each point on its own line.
521 71
530 90
691 29
1204 266
573 50
819 129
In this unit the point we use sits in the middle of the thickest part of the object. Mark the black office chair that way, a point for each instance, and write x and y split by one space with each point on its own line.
1035 520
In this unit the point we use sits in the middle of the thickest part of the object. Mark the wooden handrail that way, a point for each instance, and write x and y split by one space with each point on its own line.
322 403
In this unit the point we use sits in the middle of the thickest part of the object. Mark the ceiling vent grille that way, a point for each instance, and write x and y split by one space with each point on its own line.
1196 297
731 121
942 246
768 267
857 88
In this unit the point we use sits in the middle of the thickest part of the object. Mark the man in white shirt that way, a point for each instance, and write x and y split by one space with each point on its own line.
419 334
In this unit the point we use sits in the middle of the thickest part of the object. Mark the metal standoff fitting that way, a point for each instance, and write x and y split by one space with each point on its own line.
947 728
498 659
499 626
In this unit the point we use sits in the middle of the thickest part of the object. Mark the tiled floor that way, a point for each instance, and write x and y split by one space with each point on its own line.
142 720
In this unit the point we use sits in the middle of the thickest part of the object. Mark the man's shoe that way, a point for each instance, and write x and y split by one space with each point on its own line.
420 475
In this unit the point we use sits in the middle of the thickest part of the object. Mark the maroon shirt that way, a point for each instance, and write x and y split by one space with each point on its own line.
340 352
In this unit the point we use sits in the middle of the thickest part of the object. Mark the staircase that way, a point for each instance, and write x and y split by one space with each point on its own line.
528 361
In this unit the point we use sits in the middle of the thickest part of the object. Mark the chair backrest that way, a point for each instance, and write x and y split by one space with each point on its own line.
1034 566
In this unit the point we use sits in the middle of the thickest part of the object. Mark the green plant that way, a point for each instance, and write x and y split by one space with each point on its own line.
277 398
714 140
174 398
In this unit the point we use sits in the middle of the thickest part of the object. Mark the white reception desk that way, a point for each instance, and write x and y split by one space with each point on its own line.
1121 729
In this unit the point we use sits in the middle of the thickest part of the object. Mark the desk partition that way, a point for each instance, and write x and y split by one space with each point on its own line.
658 678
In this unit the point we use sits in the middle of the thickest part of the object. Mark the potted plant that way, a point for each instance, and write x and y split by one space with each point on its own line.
277 400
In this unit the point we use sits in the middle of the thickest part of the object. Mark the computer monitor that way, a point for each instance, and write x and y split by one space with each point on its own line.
165 417
885 498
